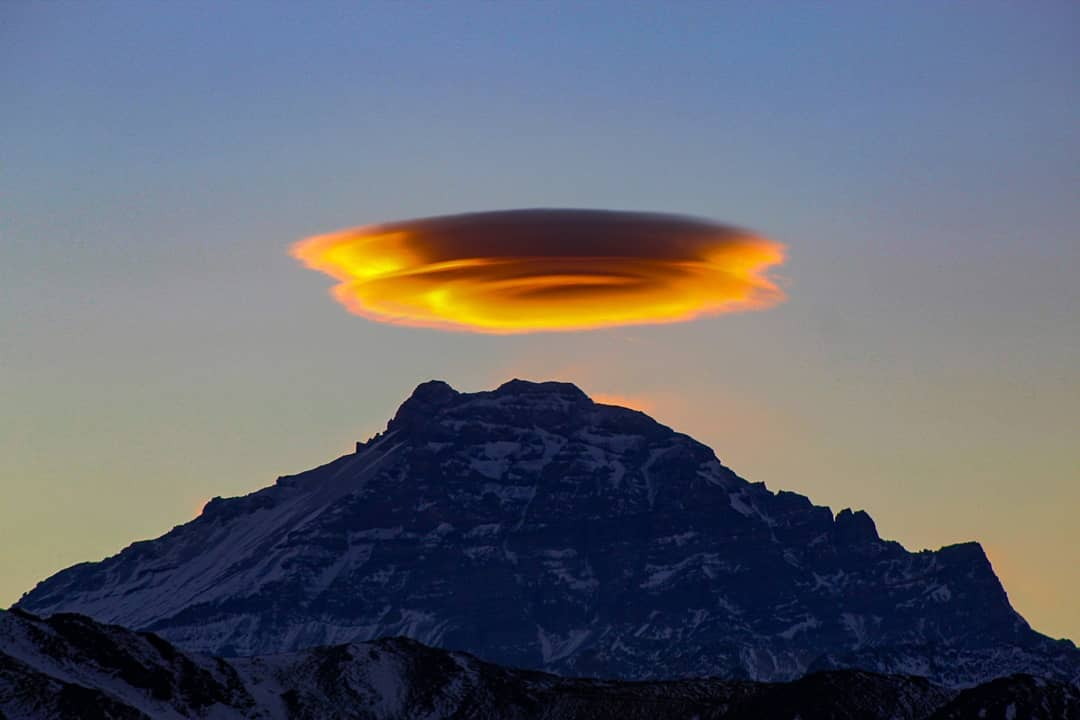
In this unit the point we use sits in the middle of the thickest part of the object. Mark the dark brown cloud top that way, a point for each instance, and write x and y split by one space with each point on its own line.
518 271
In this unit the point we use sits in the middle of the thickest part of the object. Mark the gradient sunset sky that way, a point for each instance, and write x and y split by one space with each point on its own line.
159 346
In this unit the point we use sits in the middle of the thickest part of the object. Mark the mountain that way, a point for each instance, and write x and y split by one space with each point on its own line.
70 667
535 528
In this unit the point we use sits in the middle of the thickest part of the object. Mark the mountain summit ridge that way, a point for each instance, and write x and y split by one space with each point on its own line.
535 528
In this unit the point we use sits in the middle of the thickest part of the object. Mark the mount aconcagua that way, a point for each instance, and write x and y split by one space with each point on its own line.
534 528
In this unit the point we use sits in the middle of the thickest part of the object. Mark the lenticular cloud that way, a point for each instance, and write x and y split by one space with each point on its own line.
520 271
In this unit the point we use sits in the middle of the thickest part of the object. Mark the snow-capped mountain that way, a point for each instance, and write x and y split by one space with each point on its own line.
69 667
535 528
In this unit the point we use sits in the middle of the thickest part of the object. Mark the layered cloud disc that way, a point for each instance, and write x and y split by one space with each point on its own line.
519 271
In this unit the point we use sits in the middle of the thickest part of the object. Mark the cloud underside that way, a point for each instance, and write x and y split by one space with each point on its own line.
525 271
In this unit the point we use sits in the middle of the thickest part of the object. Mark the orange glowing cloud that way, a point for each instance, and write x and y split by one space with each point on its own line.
519 271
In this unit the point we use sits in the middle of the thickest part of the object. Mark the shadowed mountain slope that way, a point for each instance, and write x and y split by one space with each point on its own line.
535 528
69 667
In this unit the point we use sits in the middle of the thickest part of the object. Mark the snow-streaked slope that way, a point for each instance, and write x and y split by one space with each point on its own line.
71 664
535 528
70 667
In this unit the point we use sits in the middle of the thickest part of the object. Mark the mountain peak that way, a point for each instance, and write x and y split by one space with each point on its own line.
426 399
538 529
519 387
433 389
525 400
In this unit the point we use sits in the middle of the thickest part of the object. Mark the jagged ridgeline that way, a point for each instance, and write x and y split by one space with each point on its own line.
537 529
71 668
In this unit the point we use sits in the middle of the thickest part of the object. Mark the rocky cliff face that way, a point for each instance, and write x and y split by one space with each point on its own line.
69 667
537 529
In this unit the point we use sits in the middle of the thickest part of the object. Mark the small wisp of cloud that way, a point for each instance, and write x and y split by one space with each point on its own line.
521 271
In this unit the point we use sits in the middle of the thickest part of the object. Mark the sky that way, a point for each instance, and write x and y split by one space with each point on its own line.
159 346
